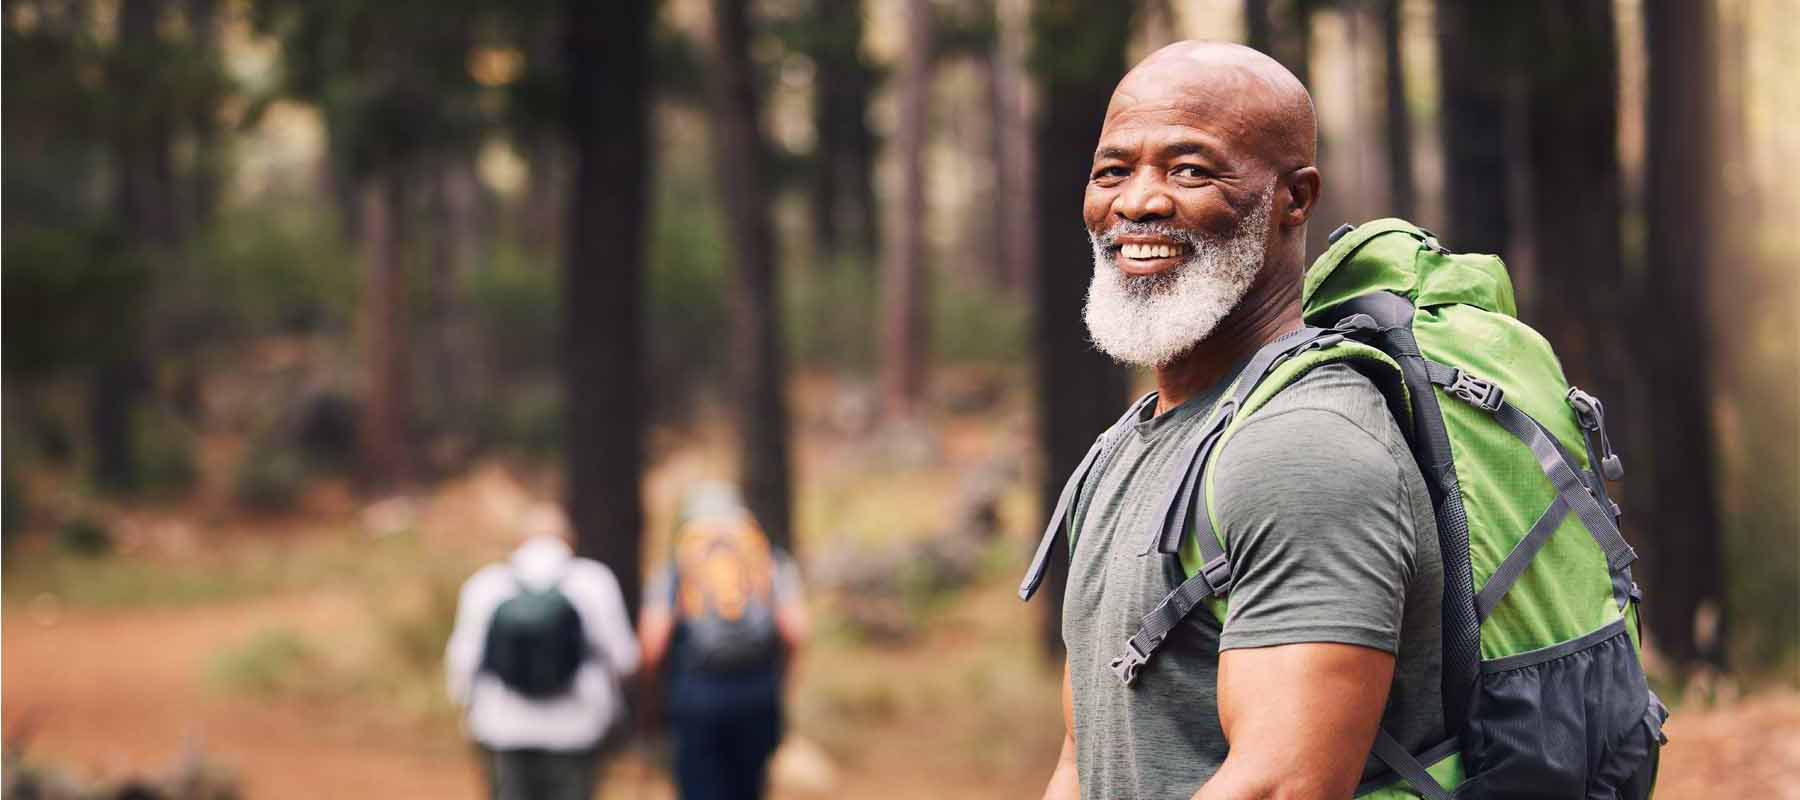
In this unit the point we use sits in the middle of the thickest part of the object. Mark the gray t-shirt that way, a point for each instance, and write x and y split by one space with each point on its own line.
1331 538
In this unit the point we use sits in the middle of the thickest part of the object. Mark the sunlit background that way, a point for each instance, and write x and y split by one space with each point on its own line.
306 300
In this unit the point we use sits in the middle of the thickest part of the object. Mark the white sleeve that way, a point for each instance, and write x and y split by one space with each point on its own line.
462 655
602 607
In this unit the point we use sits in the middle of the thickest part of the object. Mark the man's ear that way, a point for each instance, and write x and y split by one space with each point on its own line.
1302 189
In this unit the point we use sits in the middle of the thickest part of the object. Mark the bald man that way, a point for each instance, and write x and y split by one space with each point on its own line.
1197 204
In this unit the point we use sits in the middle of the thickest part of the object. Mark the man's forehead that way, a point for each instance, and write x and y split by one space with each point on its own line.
1241 100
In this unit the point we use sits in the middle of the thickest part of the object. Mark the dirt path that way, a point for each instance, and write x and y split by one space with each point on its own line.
123 692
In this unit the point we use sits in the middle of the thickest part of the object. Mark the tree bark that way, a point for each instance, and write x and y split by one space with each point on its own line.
843 188
1680 519
903 274
1572 124
608 55
1473 74
1078 57
741 156
1402 189
382 431
143 210
1016 161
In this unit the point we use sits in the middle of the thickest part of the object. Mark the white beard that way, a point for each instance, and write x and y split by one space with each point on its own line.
1149 320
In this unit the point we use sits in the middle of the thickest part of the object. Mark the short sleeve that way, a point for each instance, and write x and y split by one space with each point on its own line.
786 585
659 590
1319 529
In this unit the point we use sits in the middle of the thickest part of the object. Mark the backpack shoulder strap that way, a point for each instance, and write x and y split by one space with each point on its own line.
1188 529
1065 501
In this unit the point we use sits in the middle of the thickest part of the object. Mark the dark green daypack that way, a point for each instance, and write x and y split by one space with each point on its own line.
535 642
1543 690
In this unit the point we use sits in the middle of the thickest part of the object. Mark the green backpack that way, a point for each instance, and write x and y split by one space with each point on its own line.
1543 690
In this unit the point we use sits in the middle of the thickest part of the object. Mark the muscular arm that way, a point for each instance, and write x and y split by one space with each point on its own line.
1065 784
1300 719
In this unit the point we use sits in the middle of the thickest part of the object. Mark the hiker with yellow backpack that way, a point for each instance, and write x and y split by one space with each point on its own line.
1358 542
720 625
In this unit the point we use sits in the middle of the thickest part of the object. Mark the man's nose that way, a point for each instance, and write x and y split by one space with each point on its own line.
1143 198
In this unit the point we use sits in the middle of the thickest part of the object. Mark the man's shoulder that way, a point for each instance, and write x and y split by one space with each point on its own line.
1328 399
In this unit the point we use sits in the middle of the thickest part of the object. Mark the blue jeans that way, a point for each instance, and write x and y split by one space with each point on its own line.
541 774
723 754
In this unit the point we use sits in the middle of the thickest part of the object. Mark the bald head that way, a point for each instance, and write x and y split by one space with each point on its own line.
1263 109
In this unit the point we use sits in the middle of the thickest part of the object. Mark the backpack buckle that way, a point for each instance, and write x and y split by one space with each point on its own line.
1477 391
1218 575
1126 666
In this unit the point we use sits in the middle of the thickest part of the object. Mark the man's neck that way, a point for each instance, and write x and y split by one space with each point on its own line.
1269 310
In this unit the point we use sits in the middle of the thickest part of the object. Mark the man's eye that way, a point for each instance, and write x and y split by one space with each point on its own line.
1188 171
1105 173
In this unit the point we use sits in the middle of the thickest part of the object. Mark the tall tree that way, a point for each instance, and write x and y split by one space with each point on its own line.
1402 191
382 429
740 156
1015 204
1473 78
903 271
1283 29
1571 83
1680 523
1078 56
608 54
844 209
144 209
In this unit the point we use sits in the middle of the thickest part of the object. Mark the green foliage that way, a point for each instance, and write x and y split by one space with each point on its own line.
975 321
515 302
69 296
528 417
86 537
830 314
164 449
271 478
688 283
275 661
268 268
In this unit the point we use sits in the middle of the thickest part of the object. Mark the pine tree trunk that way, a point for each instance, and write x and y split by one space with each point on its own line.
1015 182
382 429
760 375
843 194
1572 122
1402 189
1678 518
1473 74
903 274
607 53
1079 57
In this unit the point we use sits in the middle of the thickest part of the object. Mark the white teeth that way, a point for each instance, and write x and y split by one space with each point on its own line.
1147 250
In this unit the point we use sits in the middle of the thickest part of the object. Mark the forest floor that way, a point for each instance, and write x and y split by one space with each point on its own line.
301 652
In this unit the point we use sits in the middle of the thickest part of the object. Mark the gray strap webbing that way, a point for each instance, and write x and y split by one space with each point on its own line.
1391 753
1180 503
1516 561
1556 467
1214 578
1040 561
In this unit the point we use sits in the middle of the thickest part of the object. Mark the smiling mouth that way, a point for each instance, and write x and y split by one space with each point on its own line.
1152 252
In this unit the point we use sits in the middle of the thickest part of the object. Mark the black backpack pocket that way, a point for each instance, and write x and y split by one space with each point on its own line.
1574 720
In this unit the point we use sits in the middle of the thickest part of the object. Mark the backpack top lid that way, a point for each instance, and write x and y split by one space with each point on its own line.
1394 255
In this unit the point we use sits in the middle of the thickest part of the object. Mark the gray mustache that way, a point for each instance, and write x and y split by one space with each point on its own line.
1110 237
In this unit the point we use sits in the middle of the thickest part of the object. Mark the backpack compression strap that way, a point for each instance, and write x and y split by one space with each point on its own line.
1040 561
1214 576
1573 495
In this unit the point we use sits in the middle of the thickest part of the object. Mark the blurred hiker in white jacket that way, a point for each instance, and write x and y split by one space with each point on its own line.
541 644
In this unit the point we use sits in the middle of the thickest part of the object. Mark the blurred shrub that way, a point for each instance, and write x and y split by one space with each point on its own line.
526 418
70 294
514 299
689 288
274 661
972 320
85 536
13 511
832 310
164 449
271 478
275 267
